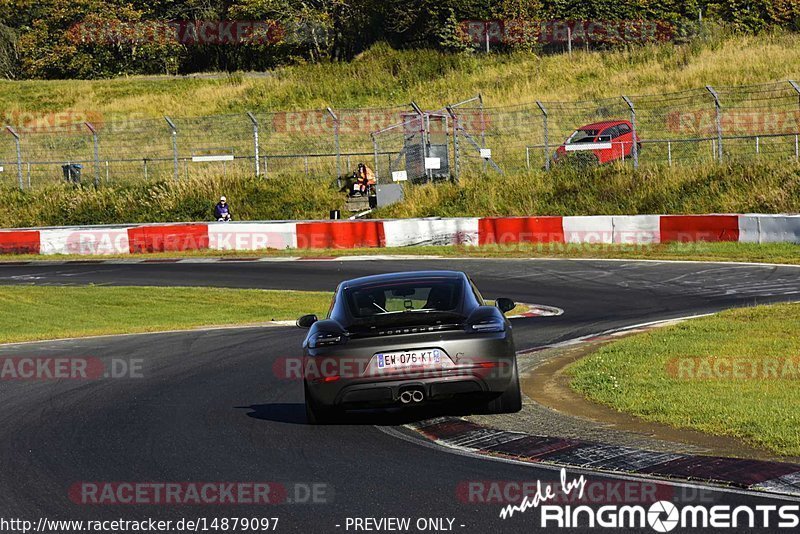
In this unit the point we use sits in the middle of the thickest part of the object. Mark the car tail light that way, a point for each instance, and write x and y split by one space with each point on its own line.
493 324
325 339
327 379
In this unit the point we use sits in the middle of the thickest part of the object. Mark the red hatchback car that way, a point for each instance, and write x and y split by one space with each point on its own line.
607 141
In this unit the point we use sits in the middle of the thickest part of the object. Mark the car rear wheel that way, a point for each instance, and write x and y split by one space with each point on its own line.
511 399
316 414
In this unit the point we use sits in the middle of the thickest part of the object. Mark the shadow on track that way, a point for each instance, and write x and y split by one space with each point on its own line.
295 413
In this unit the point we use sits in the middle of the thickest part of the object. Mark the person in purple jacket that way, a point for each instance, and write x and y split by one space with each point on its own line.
222 212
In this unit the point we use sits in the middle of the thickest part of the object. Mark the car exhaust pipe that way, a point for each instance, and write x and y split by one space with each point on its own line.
417 395
406 397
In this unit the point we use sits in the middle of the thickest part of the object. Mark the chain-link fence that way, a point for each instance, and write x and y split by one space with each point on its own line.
319 143
405 142
434 145
693 126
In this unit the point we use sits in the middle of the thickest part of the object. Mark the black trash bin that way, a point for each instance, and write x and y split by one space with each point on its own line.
72 172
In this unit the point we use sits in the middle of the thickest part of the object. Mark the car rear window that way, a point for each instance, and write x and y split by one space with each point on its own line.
608 134
582 136
425 295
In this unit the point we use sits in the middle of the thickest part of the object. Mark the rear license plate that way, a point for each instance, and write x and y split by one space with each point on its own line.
410 358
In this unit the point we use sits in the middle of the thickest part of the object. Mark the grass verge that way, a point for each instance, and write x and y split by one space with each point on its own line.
734 374
54 312
35 312
786 253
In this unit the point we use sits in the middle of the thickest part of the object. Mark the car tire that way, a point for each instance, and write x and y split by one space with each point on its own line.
316 414
510 401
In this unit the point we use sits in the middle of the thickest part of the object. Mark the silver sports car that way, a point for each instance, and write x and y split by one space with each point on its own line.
406 339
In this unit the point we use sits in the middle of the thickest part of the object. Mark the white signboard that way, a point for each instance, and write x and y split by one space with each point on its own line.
399 176
220 157
1 168
433 163
486 153
587 146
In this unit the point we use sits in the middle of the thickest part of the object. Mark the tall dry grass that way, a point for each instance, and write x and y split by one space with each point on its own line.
384 76
736 187
250 198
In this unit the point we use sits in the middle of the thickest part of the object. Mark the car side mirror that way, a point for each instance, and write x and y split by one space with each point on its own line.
307 320
505 305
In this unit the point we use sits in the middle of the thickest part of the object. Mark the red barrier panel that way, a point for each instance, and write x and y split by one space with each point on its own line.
690 228
23 242
343 234
502 230
168 238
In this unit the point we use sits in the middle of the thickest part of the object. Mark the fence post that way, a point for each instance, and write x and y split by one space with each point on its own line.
456 152
375 152
635 147
546 136
174 145
337 147
796 88
19 155
796 147
717 120
255 143
422 132
483 126
96 142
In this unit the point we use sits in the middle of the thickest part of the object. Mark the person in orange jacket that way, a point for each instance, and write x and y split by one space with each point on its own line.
365 179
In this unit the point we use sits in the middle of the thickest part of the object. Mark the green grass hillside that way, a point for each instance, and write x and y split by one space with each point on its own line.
383 76
380 77
765 187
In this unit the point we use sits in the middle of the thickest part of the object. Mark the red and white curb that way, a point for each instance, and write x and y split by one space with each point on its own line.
537 310
460 435
461 231
463 436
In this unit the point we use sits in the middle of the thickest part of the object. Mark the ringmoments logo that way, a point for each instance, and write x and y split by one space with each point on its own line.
660 516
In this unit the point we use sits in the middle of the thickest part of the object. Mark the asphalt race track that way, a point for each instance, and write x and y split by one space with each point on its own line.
209 406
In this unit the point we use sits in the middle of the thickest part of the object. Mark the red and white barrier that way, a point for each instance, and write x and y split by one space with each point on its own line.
464 231
427 232
690 228
598 229
510 230
769 228
636 229
252 236
19 242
